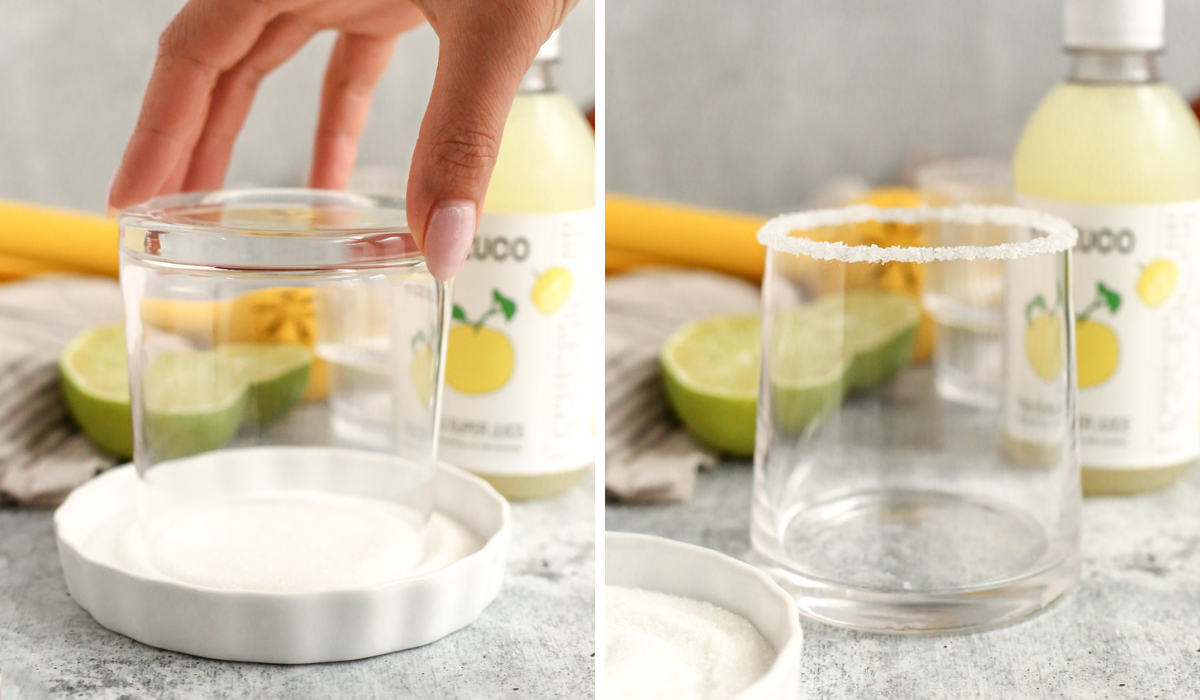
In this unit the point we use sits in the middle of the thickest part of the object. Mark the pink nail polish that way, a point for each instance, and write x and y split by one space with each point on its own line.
448 236
110 210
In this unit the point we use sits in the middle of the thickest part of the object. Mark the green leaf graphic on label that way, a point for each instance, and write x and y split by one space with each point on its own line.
1110 297
1038 302
500 305
1105 297
507 306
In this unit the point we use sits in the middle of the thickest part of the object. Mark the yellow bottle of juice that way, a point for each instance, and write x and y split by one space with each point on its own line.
1117 153
520 393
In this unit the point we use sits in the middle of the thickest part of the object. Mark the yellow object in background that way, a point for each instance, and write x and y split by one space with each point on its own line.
896 276
14 268
36 240
641 233
617 261
644 233
275 315
908 278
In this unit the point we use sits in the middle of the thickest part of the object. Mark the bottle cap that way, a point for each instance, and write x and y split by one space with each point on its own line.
551 50
1133 25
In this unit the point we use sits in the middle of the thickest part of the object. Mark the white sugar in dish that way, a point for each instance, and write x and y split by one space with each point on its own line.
663 646
286 543
301 542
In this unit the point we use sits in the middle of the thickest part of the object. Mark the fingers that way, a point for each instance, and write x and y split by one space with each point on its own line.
205 38
231 100
357 64
481 60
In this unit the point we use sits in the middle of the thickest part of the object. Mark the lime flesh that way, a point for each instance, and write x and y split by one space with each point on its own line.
277 374
836 345
881 327
808 363
710 375
819 353
195 401
95 385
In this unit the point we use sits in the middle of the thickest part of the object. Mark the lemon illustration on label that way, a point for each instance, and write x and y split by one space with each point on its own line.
1096 343
423 370
480 360
1044 337
1157 282
551 290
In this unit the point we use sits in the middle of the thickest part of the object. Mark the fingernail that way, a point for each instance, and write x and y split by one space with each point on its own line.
110 210
448 236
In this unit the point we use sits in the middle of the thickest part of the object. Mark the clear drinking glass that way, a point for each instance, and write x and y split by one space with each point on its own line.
879 503
965 300
968 180
285 356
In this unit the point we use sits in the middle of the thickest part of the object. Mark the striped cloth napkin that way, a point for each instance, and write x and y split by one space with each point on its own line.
42 455
648 455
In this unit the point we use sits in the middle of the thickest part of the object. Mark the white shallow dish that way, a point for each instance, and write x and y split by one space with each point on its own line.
285 628
688 571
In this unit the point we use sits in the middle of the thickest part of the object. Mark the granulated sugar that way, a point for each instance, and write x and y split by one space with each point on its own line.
288 543
663 646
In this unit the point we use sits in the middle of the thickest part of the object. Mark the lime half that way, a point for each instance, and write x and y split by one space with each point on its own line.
95 384
809 358
819 352
195 400
881 327
838 344
710 373
277 374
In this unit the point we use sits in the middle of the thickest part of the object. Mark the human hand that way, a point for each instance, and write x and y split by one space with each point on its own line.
215 53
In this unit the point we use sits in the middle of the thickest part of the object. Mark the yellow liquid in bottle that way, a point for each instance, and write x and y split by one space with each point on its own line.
1112 144
547 163
547 158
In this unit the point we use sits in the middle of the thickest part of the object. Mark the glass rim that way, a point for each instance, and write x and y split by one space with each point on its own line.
281 228
776 233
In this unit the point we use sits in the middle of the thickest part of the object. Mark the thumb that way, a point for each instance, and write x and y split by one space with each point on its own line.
481 59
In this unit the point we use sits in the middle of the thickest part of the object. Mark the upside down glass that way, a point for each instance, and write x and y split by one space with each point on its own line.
285 355
879 502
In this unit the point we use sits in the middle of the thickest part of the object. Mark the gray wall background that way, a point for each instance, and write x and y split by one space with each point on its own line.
72 74
753 105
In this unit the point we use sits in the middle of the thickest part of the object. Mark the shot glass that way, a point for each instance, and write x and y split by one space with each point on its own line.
879 502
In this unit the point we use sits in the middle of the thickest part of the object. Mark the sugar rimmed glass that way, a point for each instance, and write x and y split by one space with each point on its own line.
881 504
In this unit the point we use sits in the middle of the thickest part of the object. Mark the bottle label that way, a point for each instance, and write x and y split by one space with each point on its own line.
1137 336
519 394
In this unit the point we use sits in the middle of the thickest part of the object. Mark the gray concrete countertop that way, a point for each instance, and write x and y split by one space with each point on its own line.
535 641
1130 630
